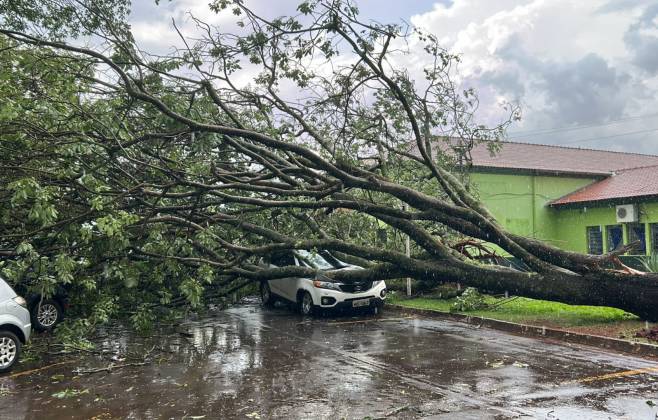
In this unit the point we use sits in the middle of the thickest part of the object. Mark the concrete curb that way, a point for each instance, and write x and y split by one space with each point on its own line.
607 343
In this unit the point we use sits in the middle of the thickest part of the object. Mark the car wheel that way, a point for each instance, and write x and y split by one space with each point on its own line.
10 350
266 296
306 306
47 315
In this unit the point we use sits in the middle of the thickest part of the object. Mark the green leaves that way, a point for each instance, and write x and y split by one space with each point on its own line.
23 189
26 248
64 267
205 274
143 318
43 212
61 19
28 193
470 300
192 290
305 7
114 225
70 393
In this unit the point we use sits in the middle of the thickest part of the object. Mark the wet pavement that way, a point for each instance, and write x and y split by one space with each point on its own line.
249 362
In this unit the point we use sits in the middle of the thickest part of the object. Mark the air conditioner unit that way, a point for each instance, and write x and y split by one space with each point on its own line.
627 213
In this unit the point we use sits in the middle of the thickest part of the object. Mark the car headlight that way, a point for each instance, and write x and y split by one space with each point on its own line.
326 285
377 283
21 301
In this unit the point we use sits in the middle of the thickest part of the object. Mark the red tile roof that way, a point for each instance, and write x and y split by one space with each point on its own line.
620 174
629 183
548 158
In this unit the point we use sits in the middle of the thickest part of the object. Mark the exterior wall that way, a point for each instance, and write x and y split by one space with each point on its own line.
572 223
519 202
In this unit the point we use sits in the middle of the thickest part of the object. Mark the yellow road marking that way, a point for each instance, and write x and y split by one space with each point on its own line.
29 372
621 374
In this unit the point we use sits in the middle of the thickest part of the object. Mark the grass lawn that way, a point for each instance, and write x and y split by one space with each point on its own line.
597 320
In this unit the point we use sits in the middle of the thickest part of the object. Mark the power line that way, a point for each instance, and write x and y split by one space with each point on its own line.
529 133
579 127
611 136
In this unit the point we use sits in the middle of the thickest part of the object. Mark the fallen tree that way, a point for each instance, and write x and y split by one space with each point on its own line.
177 162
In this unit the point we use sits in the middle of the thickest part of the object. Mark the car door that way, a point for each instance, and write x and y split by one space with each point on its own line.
283 287
290 285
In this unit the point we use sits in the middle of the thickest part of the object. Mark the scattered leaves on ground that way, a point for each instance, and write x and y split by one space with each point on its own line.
70 393
496 364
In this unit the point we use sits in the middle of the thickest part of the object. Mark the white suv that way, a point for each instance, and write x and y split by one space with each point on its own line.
15 326
311 294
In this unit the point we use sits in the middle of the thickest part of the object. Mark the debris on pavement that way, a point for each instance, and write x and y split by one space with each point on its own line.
650 334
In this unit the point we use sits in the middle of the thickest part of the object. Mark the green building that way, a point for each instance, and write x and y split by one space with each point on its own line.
576 199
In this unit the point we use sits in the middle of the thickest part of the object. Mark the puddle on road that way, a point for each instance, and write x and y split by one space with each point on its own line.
246 362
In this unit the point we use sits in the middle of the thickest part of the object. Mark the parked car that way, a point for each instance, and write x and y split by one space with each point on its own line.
320 292
47 313
15 326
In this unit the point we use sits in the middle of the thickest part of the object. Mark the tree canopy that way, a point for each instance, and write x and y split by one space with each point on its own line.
145 179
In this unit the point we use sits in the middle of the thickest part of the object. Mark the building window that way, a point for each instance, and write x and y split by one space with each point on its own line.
594 240
654 238
636 233
615 237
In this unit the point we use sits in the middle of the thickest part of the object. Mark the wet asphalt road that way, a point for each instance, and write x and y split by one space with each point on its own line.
249 362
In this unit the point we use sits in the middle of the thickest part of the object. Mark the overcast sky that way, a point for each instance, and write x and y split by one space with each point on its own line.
584 72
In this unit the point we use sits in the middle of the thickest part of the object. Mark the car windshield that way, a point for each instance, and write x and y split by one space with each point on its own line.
282 259
322 260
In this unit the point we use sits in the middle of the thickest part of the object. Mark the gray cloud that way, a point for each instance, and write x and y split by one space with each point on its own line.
584 73
642 41
587 90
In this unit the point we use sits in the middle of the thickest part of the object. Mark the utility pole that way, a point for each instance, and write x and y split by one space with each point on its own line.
407 251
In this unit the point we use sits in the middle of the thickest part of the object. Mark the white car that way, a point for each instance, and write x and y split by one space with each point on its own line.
311 294
15 326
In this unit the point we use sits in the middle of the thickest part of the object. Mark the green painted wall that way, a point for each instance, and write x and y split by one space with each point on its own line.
572 224
519 202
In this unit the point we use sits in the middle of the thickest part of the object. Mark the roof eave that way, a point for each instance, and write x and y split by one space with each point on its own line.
553 172
607 201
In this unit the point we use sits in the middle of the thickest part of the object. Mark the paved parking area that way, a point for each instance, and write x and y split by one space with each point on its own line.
251 362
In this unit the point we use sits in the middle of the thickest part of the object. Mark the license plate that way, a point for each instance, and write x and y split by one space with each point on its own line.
360 302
